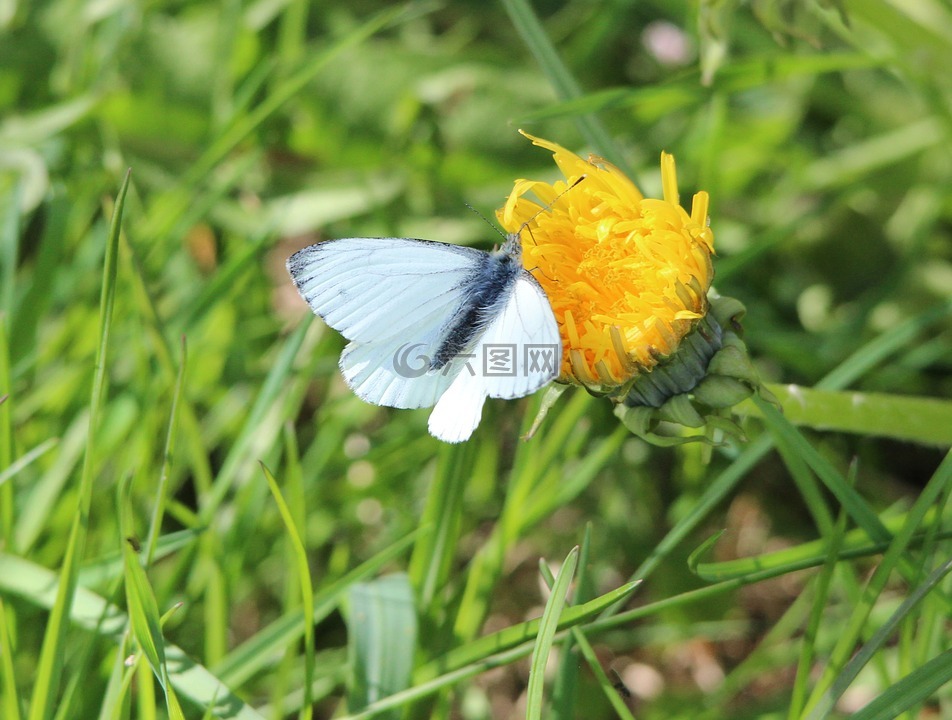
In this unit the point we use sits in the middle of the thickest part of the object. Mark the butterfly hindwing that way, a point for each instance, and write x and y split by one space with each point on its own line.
459 409
397 377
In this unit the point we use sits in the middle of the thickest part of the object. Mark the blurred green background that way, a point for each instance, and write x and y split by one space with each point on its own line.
821 130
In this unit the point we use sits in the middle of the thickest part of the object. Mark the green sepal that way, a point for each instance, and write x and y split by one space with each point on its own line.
728 379
718 391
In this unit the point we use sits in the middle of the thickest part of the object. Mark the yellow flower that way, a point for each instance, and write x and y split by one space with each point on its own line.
627 276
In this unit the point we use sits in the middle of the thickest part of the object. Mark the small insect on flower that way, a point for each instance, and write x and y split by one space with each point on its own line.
432 324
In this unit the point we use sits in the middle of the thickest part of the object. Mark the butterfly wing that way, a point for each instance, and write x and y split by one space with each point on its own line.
518 352
527 329
398 377
392 299
371 289
459 409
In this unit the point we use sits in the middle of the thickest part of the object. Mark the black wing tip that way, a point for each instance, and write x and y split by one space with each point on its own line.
294 263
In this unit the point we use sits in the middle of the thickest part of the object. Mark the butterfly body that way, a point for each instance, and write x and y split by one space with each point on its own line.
488 290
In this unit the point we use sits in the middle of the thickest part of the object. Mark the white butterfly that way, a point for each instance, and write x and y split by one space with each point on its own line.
432 324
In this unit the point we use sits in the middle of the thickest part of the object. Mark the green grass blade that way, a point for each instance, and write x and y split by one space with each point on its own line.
47 123
39 587
222 79
541 482
223 281
485 646
272 388
860 159
142 606
244 125
807 485
480 656
332 675
146 702
9 244
563 697
42 497
547 627
562 491
140 600
484 654
929 625
266 646
911 690
650 103
420 690
857 508
893 558
27 458
534 36
307 590
164 353
847 372
293 32
683 599
875 351
601 677
117 687
851 500
109 566
922 420
161 489
9 703
382 639
295 496
719 488
50 664
9 251
435 550
856 544
883 632
34 301
821 591
565 684
168 210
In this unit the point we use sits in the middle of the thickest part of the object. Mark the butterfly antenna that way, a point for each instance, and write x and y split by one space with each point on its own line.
486 220
548 207
523 226
542 210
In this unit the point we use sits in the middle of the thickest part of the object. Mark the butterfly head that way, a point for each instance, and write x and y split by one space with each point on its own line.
512 247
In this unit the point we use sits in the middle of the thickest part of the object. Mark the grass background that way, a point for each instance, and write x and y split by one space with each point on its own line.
151 567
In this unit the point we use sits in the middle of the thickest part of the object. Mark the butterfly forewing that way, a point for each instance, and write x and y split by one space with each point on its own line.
371 289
